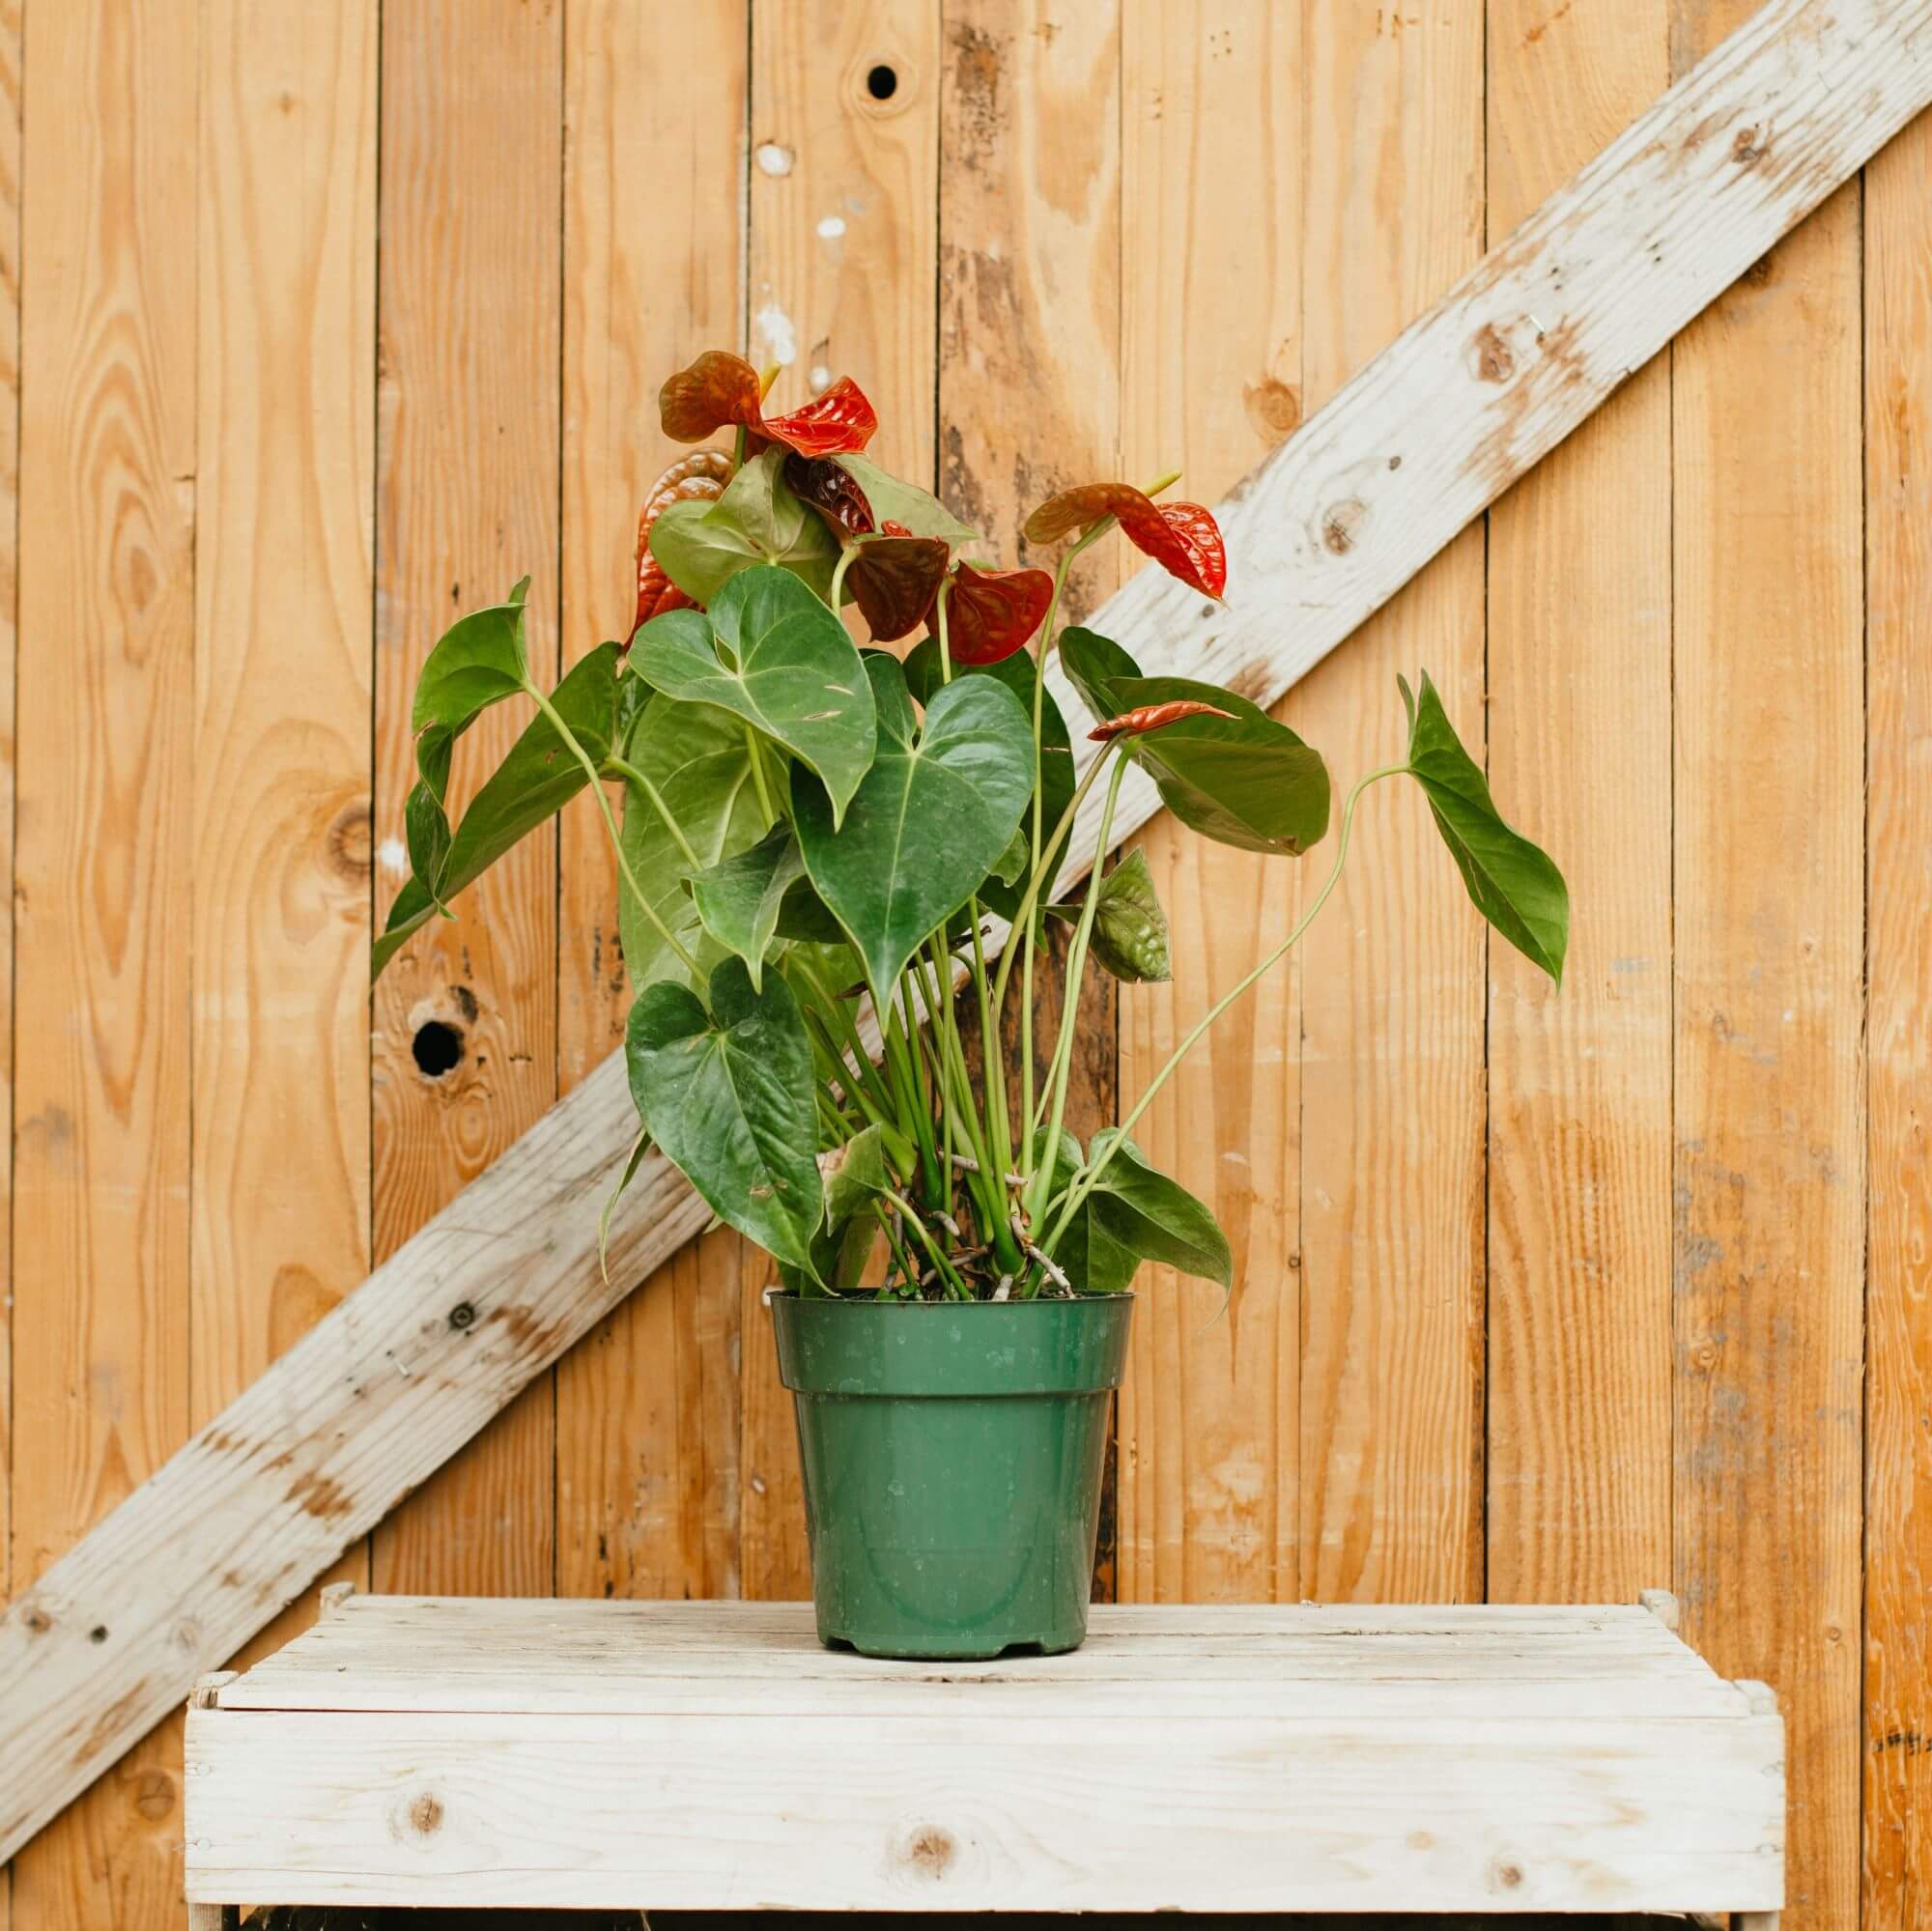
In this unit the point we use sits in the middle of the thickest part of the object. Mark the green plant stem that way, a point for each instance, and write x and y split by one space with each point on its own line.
757 758
597 791
631 775
1037 884
945 648
844 563
1087 1180
956 1288
1024 928
1069 1009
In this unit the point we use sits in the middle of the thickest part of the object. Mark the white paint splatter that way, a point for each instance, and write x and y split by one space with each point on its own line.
392 856
831 228
821 376
773 159
780 334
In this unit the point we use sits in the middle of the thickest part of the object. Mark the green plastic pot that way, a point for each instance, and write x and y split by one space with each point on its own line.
953 1455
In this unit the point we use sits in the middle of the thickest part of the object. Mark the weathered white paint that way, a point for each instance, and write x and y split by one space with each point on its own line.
1458 406
601 1754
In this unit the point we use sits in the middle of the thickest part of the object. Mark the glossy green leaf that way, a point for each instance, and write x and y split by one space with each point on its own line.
1138 1213
1093 662
1093 1260
924 829
914 509
730 1100
781 661
1244 780
1514 884
537 777
426 830
1129 937
738 898
699 763
479 661
702 546
1003 892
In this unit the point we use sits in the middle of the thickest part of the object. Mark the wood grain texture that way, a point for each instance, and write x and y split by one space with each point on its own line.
1578 1250
1769 1182
451 1752
1897 1824
647 1413
1030 241
1209 1437
353 1417
843 255
468 458
283 661
1392 1102
10 587
103 806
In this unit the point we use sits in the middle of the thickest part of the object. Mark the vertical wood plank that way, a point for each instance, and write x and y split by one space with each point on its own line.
1209 1448
1898 1372
1578 1478
283 646
844 266
1769 1185
655 154
104 804
467 504
10 591
1392 974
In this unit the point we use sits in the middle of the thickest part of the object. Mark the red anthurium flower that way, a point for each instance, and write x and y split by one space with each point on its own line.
1151 717
894 580
1182 538
991 613
720 389
695 478
834 494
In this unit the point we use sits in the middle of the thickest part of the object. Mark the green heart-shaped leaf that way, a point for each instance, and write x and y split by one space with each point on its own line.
924 829
479 661
1136 1214
1129 936
730 1100
738 898
1003 893
1514 884
699 763
702 546
537 777
1244 780
781 661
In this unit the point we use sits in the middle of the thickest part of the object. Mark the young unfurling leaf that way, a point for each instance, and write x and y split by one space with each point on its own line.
1129 936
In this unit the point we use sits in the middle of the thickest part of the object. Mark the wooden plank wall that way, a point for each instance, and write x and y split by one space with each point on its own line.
1541 1296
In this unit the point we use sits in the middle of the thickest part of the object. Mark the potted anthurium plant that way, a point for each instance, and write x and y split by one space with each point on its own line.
836 866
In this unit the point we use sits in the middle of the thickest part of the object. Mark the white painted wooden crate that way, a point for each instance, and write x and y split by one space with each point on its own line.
444 1752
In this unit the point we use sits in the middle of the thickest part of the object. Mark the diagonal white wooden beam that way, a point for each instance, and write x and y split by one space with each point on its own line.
413 1363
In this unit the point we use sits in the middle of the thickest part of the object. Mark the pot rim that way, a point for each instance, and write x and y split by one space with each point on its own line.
865 1297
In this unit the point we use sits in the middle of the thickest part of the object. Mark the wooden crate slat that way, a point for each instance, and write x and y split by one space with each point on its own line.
410 1366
